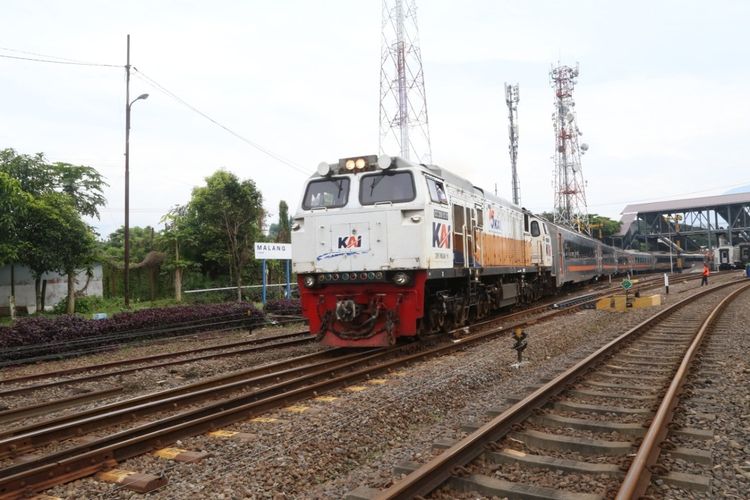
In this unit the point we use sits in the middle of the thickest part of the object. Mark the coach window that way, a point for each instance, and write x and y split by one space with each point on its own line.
326 193
396 187
437 191
535 228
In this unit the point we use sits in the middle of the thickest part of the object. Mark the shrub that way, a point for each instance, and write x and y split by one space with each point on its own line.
291 307
38 330
87 305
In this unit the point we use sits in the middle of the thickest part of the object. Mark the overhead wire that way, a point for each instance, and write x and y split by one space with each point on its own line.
255 145
45 58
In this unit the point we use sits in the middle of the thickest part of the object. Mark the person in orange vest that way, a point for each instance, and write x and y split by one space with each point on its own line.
706 272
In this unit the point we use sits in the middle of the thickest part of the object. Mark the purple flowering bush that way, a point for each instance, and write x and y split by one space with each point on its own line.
40 330
291 307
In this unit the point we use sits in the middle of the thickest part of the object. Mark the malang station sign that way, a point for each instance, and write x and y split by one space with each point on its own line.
273 251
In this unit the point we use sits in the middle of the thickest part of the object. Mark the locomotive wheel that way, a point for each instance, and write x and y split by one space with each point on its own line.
460 314
437 318
483 306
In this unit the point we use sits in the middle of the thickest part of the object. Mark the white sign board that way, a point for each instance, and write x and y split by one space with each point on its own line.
273 251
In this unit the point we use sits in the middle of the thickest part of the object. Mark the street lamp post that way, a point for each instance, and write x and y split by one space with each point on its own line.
128 105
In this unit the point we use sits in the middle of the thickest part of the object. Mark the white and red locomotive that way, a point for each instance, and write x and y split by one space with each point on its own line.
385 248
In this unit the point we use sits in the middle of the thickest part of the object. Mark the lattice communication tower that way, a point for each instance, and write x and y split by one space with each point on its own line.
570 193
404 127
511 99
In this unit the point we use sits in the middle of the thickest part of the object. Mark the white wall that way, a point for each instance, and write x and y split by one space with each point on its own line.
57 286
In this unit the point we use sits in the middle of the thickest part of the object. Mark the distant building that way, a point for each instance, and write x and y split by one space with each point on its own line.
57 287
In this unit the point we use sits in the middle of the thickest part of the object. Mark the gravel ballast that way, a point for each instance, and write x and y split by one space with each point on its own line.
332 447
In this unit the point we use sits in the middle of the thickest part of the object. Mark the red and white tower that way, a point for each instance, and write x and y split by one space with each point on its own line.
570 192
404 128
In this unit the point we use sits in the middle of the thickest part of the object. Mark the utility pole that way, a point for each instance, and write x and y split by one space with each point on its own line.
511 99
127 178
128 105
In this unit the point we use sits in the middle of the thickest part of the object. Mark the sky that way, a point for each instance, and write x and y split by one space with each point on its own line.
662 100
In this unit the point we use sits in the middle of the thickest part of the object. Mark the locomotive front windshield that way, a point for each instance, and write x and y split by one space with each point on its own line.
395 187
326 193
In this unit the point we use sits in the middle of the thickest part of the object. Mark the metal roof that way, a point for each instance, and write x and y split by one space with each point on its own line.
630 212
687 204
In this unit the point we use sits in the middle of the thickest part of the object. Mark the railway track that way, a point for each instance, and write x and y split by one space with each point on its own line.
64 349
235 348
96 454
287 340
36 472
594 431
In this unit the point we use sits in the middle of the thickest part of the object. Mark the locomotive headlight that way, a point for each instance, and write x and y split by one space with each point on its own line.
401 279
360 163
349 165
309 281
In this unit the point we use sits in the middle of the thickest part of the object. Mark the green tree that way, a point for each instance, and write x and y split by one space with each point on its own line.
14 203
33 174
50 185
229 211
142 241
602 227
280 232
175 233
55 239
83 185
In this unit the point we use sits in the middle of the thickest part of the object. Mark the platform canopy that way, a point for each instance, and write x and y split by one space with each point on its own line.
690 224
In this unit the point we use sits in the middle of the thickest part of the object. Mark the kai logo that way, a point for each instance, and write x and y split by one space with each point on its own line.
495 222
441 235
350 241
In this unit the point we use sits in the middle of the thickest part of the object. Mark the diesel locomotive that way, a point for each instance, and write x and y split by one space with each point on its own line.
385 248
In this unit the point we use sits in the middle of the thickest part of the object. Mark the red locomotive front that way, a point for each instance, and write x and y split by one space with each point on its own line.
363 309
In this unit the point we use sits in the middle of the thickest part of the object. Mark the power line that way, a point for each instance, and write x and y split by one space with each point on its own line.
52 59
255 145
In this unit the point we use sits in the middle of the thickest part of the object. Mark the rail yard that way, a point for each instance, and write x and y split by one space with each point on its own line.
263 302
314 422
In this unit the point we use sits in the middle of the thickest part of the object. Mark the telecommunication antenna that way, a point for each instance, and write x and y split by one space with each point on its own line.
403 103
511 99
570 193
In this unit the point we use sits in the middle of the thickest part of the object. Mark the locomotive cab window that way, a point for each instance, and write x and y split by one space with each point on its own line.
437 191
535 228
396 187
326 193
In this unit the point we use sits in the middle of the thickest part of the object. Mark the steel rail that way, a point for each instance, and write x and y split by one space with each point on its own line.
638 477
434 473
22 439
286 341
13 414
